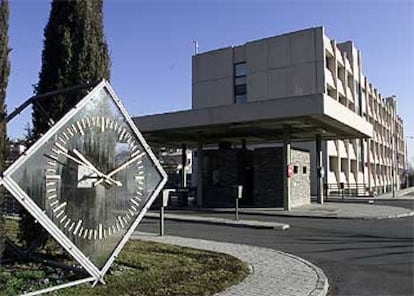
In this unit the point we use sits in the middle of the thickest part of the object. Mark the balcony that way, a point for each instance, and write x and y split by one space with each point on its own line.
350 94
331 178
341 89
332 148
341 150
329 79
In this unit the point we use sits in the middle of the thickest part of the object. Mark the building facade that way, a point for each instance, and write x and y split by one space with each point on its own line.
305 63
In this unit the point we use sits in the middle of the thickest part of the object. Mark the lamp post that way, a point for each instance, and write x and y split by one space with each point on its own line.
407 183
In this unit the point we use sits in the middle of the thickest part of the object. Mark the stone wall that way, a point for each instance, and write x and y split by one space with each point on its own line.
222 170
300 183
267 177
261 172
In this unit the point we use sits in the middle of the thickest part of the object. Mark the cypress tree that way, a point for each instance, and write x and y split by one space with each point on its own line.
74 52
4 75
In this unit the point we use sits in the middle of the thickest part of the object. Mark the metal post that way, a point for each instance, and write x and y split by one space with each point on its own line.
162 220
200 174
286 179
183 163
238 194
406 164
165 197
237 209
319 168
393 150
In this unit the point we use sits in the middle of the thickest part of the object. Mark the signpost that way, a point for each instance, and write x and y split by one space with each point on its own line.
89 181
239 195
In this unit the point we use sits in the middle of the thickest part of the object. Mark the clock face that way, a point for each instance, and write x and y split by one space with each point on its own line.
91 175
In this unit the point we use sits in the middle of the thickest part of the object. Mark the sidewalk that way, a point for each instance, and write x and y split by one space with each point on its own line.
273 272
337 210
184 216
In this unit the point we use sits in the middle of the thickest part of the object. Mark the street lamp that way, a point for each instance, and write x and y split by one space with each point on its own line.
406 161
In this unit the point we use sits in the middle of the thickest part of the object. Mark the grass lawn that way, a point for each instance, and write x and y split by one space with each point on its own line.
143 268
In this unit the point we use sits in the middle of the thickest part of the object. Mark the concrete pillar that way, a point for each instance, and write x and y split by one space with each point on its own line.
183 163
286 181
200 174
319 180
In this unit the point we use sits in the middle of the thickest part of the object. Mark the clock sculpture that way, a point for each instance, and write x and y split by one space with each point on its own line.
89 180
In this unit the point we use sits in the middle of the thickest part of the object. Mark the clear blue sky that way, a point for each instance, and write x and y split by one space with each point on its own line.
151 45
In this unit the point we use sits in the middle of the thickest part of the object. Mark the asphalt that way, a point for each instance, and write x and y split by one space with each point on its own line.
339 209
358 209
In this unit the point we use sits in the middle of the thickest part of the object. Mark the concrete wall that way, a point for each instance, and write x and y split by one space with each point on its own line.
285 66
212 81
288 65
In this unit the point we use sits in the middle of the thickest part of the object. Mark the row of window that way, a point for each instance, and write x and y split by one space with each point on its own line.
240 83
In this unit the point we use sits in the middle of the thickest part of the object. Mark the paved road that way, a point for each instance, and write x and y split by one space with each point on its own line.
360 257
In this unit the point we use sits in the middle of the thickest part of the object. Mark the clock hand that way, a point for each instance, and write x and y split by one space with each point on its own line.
83 164
121 167
93 168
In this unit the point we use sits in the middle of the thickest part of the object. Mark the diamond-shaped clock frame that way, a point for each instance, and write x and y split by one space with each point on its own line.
40 212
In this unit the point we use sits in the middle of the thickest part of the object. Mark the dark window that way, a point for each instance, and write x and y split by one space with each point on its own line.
240 89
240 86
240 70
295 169
304 169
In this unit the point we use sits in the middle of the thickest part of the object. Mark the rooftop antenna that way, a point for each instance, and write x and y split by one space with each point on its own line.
195 47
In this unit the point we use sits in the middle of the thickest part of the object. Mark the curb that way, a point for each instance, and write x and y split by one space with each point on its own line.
321 285
409 214
222 221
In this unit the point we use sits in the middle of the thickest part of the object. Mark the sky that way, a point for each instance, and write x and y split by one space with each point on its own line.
151 44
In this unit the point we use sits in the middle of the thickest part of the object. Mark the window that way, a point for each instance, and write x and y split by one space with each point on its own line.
304 169
240 85
295 169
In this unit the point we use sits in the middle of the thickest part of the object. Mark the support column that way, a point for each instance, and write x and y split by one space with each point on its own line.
200 174
319 167
286 179
183 163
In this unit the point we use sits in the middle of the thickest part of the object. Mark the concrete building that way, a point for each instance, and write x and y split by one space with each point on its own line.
298 87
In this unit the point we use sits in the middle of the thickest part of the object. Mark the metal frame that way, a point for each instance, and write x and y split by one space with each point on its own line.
44 220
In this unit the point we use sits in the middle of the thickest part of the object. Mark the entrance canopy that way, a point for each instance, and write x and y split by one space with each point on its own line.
303 117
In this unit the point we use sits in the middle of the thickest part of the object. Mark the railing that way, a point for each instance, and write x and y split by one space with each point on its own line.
346 189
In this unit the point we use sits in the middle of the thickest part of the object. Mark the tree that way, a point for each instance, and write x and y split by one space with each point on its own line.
4 76
74 52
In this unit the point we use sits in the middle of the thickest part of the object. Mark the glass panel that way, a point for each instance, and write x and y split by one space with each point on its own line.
240 69
240 89
92 177
240 99
240 80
